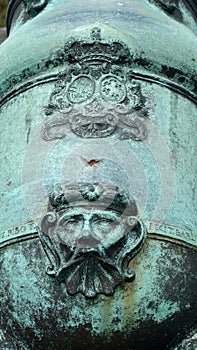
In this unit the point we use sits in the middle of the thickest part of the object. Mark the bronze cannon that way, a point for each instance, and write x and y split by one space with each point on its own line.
98 175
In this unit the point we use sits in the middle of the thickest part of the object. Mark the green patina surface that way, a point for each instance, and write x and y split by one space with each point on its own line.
153 55
158 308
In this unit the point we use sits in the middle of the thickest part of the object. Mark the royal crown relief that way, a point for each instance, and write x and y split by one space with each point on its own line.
97 95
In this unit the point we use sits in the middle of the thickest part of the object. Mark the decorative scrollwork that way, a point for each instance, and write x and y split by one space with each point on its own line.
90 235
95 96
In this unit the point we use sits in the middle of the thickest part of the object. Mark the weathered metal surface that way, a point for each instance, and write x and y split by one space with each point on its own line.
153 311
97 116
20 11
179 67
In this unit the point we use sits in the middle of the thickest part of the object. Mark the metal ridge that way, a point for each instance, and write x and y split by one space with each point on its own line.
193 5
12 6
51 78
168 233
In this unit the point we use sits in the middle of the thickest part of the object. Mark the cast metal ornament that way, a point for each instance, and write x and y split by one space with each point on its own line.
33 7
169 6
177 8
97 95
90 235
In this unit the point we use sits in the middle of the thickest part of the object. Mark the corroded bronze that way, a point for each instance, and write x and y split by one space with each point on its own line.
97 95
91 236
97 190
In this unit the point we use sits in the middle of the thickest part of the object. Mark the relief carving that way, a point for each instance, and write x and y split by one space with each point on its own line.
96 96
90 234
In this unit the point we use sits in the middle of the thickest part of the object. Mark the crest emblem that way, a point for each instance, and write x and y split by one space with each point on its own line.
97 95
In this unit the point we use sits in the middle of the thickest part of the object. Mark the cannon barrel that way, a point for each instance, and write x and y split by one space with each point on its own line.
98 174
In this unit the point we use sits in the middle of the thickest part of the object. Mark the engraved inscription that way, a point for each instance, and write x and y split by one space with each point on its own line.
17 233
174 232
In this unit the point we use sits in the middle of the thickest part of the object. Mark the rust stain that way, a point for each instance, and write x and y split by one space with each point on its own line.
92 162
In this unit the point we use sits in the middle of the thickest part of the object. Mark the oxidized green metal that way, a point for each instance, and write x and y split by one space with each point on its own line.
92 236
98 209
